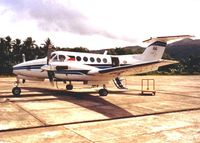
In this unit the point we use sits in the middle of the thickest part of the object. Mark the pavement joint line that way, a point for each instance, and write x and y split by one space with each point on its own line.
98 120
178 94
147 133
32 100
42 122
58 108
78 134
163 92
30 95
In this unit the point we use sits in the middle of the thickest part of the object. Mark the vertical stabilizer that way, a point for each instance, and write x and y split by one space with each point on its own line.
155 50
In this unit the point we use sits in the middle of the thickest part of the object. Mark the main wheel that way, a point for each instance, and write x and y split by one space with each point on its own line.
69 87
16 91
103 92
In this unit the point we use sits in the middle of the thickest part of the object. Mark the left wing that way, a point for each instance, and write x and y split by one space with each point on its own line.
132 69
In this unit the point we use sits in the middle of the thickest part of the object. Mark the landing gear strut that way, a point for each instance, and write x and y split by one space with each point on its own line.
69 86
103 91
16 90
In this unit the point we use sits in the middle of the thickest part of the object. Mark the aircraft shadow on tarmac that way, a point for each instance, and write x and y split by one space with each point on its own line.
98 104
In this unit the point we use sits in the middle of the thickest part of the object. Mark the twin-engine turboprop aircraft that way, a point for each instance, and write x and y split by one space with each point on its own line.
93 69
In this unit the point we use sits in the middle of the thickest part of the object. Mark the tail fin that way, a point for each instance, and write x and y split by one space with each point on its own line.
157 46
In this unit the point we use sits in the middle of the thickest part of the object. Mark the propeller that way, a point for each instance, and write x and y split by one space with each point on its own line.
51 74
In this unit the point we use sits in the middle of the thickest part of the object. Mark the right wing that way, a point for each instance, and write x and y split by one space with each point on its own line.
132 69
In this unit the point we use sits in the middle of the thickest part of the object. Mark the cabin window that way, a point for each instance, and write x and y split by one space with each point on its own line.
98 60
78 58
105 60
61 58
85 59
92 59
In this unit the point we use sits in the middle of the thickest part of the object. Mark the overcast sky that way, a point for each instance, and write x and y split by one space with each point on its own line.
98 24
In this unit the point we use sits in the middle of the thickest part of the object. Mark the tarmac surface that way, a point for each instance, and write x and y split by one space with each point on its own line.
47 114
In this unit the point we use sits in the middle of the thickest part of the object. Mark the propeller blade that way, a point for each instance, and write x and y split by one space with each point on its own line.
49 51
47 67
51 76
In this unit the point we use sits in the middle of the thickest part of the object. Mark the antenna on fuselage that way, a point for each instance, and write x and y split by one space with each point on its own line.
36 57
105 52
23 57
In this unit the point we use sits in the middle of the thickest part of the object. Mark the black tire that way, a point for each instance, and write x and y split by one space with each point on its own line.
69 87
103 92
16 91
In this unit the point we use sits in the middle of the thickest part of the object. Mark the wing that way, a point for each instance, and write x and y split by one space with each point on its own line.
133 69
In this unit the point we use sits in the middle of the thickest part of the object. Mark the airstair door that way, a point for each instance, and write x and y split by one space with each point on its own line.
115 61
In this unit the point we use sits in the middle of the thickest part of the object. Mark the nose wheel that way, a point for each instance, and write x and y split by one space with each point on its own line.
69 87
16 91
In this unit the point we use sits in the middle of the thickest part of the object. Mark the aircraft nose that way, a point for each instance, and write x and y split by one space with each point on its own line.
15 69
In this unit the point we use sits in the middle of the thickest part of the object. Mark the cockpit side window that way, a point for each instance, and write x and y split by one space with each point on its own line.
61 58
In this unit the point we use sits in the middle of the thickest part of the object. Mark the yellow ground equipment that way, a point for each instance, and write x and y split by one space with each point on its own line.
148 87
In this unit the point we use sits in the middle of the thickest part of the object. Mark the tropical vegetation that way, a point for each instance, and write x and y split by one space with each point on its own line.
12 51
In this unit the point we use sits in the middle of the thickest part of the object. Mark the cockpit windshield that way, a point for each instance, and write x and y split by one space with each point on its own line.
54 58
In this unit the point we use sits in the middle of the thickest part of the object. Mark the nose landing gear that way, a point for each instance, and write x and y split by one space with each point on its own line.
69 86
16 90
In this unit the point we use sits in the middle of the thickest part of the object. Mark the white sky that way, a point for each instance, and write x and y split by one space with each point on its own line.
98 24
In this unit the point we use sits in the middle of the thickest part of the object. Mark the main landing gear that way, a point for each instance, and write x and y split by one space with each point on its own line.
16 90
103 91
69 86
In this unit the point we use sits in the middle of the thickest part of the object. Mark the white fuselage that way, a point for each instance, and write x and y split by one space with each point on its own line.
78 65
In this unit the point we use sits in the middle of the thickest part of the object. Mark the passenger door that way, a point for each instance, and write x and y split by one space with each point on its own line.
115 61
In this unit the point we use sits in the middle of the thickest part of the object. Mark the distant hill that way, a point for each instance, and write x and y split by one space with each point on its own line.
179 50
183 49
186 51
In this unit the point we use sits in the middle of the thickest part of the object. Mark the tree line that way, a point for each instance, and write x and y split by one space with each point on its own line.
190 65
11 51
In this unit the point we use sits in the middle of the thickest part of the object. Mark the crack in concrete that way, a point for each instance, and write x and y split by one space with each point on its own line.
98 120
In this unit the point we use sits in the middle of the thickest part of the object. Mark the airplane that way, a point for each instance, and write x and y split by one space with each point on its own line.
93 69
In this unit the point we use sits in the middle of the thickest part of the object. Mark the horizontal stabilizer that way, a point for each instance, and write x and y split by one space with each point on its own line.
166 62
167 38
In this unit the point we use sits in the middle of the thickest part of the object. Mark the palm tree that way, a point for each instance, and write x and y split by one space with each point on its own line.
17 54
28 48
8 45
49 48
46 45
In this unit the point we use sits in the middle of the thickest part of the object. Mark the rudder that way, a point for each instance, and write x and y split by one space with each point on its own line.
155 50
